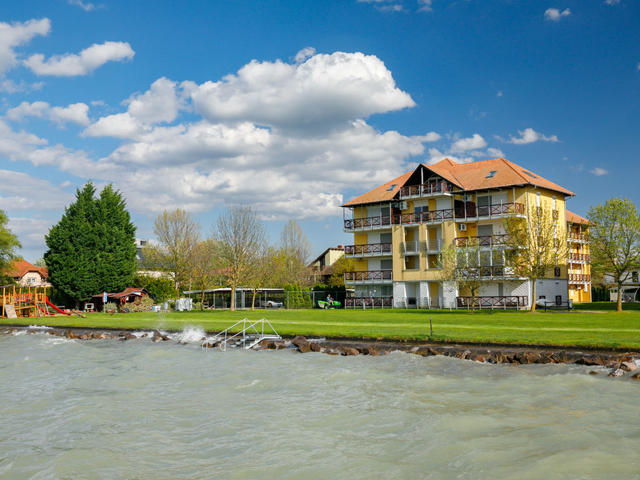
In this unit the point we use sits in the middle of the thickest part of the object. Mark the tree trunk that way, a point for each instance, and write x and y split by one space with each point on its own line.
619 301
232 305
253 300
533 295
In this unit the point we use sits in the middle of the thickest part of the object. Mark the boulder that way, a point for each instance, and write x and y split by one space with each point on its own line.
478 358
157 336
301 343
463 355
593 372
618 372
628 366
349 351
636 376
70 334
315 347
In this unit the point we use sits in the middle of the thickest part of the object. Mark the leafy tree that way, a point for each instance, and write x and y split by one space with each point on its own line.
535 246
241 236
205 266
92 248
462 265
8 243
40 263
615 240
159 288
338 269
178 235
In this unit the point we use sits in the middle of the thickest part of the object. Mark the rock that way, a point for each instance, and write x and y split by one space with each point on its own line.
84 336
315 347
70 334
628 366
526 358
157 336
374 352
464 355
363 350
593 372
349 351
432 351
478 358
618 372
302 344
331 351
636 376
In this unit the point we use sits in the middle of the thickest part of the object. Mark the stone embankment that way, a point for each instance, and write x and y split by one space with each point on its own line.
615 364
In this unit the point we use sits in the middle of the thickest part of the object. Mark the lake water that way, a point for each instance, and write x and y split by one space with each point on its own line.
139 410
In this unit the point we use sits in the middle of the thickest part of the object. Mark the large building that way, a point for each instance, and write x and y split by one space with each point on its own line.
401 228
578 258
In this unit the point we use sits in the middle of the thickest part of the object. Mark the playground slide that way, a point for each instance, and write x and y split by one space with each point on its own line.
56 308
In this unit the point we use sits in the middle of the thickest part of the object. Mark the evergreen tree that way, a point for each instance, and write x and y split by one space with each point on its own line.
92 248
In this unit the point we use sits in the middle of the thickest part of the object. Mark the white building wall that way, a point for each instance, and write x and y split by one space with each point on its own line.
442 203
550 288
449 294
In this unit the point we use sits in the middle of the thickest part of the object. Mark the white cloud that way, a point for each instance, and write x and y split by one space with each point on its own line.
119 125
21 191
305 53
425 5
499 94
495 153
74 113
554 14
86 6
30 232
465 144
598 172
85 62
529 135
323 92
638 67
15 34
158 104
612 2
9 86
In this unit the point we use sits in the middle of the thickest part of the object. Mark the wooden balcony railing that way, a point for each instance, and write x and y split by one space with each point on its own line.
425 189
368 276
579 257
369 249
579 278
496 301
487 271
482 241
368 302
578 237
435 216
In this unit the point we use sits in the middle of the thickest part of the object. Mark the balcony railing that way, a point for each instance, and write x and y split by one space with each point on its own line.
368 250
410 248
579 278
496 301
368 302
578 237
469 212
482 241
579 257
369 276
434 245
486 271
425 189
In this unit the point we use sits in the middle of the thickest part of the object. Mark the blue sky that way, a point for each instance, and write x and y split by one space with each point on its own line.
294 107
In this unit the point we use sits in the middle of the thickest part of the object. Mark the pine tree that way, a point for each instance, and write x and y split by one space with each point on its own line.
92 248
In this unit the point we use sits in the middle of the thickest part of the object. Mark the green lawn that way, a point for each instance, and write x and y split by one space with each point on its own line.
591 328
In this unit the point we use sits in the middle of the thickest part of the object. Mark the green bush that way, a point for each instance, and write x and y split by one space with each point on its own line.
110 307
160 289
142 304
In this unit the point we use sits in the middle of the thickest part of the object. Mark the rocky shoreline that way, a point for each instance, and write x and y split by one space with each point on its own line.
614 363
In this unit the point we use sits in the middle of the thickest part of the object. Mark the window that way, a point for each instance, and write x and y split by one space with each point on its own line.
529 173
391 187
491 174
554 203
537 199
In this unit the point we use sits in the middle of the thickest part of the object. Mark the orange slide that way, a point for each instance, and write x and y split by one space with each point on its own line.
55 308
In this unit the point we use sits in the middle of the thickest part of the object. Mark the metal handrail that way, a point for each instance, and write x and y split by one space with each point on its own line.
246 326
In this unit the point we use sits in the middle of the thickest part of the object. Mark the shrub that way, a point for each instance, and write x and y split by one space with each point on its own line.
110 307
142 304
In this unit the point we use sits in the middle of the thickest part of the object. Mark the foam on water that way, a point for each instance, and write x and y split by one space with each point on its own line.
189 335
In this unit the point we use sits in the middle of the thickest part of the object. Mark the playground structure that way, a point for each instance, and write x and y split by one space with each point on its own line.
27 302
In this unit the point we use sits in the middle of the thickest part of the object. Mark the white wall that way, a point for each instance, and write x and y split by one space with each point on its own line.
551 287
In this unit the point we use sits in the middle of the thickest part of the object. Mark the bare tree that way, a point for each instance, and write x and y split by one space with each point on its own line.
615 240
297 249
205 266
536 245
462 265
241 236
177 234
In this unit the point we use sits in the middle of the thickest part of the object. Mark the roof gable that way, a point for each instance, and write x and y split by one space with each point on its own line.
575 218
382 193
19 268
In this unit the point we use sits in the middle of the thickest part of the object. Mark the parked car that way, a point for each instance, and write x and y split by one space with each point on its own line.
272 304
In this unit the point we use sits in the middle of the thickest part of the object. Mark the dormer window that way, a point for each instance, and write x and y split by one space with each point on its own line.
392 187
491 174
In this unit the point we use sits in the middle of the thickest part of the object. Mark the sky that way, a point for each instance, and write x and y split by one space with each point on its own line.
295 107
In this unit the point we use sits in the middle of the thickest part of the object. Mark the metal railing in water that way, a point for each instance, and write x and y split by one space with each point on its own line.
250 335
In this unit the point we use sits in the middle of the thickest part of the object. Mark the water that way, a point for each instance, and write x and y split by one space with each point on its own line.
139 410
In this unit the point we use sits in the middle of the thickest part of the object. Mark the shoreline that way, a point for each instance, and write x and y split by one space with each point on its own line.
620 362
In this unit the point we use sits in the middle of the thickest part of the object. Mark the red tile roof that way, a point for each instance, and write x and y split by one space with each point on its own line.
575 218
468 177
18 269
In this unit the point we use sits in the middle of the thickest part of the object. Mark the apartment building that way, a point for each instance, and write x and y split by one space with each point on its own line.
578 258
401 228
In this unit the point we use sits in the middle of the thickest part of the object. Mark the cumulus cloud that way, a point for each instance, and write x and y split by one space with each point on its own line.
598 172
10 86
119 125
305 53
554 14
474 142
21 191
71 64
612 2
425 6
86 6
323 92
529 135
74 113
15 34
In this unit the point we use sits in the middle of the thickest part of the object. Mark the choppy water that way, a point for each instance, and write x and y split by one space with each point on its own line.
138 410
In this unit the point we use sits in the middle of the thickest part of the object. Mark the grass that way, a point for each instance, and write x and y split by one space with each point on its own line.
585 327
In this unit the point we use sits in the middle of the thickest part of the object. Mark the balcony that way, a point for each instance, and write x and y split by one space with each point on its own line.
410 248
482 241
470 212
578 258
434 246
369 276
487 272
575 278
368 302
426 190
578 238
368 250
496 301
